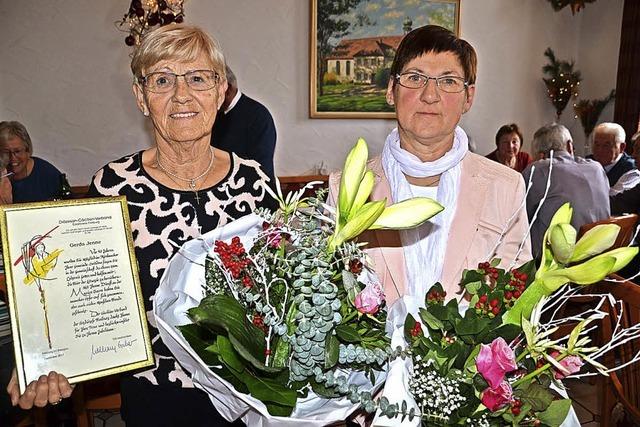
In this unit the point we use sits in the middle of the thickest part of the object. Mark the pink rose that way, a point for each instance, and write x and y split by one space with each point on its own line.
368 301
572 364
494 361
496 398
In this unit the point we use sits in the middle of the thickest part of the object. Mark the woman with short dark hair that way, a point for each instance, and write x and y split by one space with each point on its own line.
509 148
432 85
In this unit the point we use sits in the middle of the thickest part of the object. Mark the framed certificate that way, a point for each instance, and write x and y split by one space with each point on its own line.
74 295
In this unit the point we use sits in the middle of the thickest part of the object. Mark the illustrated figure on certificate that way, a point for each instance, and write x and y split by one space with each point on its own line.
37 263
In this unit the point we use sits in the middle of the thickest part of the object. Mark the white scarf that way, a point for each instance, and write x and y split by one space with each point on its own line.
425 246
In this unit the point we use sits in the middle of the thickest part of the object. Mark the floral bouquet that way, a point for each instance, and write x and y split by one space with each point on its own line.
499 360
278 316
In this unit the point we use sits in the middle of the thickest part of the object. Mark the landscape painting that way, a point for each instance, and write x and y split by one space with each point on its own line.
353 43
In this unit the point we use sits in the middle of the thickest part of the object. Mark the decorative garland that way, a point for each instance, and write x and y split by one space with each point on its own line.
144 14
562 81
576 5
589 110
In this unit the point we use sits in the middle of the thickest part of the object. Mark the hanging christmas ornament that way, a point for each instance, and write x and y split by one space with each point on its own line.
145 14
561 80
589 110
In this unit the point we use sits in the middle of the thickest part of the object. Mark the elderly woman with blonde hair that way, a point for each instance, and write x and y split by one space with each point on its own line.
176 190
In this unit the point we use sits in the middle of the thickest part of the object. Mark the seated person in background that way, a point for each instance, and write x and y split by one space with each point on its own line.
628 201
581 182
245 127
508 152
6 195
608 150
631 178
33 179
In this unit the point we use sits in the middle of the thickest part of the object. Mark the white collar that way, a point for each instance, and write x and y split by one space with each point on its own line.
234 101
612 164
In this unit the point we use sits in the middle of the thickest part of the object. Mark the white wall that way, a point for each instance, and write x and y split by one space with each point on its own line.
64 73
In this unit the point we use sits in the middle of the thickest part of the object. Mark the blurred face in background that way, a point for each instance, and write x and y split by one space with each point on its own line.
605 148
19 157
509 145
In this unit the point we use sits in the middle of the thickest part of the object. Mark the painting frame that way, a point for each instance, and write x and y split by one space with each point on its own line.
344 71
74 295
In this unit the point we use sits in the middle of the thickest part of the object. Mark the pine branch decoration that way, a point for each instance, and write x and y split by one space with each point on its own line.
589 110
562 81
576 5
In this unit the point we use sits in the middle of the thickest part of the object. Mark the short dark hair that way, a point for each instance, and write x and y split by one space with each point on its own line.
433 38
506 130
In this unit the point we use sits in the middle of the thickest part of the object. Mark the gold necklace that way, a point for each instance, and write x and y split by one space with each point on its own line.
191 181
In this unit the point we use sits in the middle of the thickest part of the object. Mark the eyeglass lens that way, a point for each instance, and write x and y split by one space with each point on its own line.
165 81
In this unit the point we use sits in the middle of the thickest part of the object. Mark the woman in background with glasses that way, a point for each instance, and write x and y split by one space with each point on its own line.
176 191
33 179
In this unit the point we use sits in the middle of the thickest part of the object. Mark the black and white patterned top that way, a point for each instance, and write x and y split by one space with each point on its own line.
162 219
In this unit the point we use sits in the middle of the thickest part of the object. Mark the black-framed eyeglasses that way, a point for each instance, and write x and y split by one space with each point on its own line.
164 81
18 152
415 80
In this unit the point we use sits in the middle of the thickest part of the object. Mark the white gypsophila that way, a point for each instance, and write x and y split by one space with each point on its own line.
436 396
483 421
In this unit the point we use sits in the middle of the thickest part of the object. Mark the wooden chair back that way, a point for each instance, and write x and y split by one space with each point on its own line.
627 225
622 386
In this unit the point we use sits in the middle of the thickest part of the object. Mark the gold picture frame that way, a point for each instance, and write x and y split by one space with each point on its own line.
352 49
73 290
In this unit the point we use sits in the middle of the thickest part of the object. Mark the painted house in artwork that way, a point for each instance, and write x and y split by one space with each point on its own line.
358 60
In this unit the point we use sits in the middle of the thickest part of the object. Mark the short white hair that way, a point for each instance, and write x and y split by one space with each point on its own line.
610 128
553 136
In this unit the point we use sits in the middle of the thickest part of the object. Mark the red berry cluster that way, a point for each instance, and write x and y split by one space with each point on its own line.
234 259
417 330
515 287
436 297
516 407
259 322
488 307
490 273
355 266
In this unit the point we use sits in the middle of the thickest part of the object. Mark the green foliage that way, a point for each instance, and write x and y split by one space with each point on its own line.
382 77
330 79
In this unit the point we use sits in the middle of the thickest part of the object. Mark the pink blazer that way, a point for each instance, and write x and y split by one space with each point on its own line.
490 194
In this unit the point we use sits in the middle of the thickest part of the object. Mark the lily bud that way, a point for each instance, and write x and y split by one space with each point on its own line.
365 217
352 174
364 190
407 214
594 241
562 238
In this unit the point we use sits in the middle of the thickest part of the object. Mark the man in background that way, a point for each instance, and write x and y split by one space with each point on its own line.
583 183
608 150
245 127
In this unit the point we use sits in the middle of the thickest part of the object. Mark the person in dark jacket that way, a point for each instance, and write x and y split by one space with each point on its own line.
245 127
608 150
